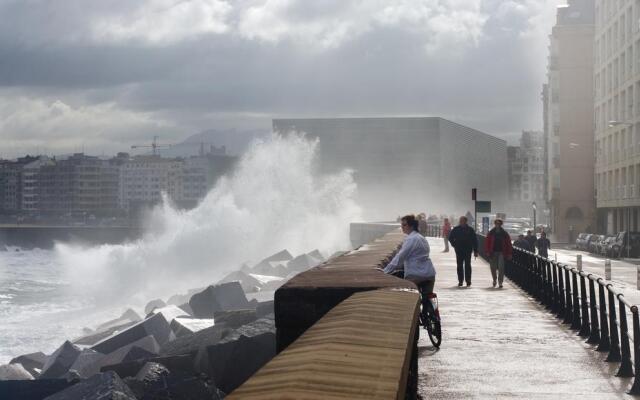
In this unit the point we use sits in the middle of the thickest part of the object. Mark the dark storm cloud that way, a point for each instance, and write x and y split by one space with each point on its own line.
479 63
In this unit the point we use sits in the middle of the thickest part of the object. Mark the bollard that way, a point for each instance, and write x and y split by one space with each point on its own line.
579 262
607 269
638 278
635 389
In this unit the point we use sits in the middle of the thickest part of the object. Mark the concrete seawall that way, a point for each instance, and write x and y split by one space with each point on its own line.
44 237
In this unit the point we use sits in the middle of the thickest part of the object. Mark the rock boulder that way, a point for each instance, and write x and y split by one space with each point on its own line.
223 297
60 361
14 372
103 386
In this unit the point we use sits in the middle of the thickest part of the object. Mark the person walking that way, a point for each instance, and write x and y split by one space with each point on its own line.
465 242
531 239
522 243
422 224
446 230
543 244
497 247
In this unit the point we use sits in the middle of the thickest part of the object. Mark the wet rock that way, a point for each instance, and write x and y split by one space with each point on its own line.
283 255
32 362
169 312
155 382
157 303
186 308
104 386
177 299
14 372
86 358
182 326
189 344
60 361
264 308
223 297
239 354
138 353
182 362
248 282
271 268
234 319
127 317
156 326
96 337
302 263
32 390
316 254
259 297
148 343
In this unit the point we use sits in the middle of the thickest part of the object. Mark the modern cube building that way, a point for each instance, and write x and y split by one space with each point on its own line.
410 164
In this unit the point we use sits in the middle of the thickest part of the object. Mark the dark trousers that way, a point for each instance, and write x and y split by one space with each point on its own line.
464 266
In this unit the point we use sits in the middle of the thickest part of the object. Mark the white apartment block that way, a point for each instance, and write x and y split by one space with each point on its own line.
617 114
143 180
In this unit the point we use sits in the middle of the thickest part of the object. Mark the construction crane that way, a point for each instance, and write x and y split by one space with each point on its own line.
154 146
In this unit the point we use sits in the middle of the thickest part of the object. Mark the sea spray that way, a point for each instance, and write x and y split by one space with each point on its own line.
273 200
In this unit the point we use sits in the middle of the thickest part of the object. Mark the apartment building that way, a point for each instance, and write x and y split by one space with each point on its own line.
526 169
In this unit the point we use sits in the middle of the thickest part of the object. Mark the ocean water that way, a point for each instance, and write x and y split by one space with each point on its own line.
273 200
38 312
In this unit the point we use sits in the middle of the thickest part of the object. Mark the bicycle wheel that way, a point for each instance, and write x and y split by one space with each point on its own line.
432 324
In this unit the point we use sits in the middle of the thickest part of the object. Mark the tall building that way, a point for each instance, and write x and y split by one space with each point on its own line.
11 184
78 184
569 127
617 115
144 179
406 165
526 169
30 194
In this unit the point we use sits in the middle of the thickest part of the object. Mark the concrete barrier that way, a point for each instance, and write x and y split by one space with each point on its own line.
344 329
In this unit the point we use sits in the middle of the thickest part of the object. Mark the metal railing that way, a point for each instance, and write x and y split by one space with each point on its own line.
434 230
588 303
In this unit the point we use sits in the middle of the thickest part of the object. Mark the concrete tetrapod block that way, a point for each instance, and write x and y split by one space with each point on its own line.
86 358
104 386
60 361
14 372
190 343
157 303
248 282
147 343
32 390
239 355
264 308
235 318
156 326
182 363
95 337
32 362
127 317
182 326
223 297
169 312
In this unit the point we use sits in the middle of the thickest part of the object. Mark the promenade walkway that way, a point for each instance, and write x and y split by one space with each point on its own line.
500 343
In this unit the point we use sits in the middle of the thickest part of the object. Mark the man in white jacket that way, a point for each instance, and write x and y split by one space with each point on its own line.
414 256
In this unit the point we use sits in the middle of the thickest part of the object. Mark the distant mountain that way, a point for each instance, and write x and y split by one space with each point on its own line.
234 140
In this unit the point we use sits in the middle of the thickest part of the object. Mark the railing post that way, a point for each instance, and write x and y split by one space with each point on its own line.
614 350
559 289
635 389
549 283
575 324
594 337
605 343
585 330
568 306
626 368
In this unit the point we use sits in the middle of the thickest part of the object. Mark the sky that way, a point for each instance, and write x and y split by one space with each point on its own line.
100 75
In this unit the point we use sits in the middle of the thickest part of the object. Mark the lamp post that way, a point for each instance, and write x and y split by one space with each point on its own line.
535 208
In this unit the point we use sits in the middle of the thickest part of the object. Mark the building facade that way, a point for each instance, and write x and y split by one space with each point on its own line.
617 115
403 165
569 127
526 169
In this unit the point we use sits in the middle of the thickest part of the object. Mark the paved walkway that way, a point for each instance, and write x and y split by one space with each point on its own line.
499 343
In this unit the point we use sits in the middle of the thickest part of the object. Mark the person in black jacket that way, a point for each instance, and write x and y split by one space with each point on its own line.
465 242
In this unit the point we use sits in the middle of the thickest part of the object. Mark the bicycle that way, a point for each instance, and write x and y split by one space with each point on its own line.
429 317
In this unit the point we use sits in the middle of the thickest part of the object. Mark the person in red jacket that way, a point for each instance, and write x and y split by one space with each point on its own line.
497 247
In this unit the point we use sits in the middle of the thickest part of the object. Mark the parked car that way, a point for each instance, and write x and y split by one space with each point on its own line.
603 246
626 244
581 240
595 242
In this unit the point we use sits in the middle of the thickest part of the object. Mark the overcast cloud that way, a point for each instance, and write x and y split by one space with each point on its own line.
100 75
